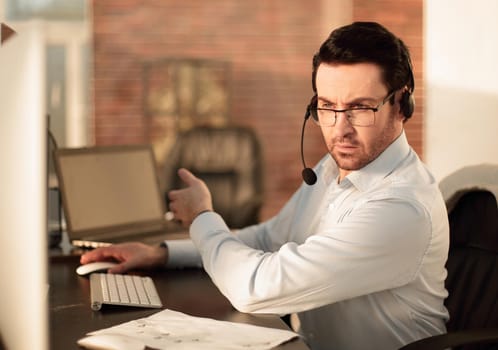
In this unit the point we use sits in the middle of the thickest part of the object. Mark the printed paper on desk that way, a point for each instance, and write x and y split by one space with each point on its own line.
169 329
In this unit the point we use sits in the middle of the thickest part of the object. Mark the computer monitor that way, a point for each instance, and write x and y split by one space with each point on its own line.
23 222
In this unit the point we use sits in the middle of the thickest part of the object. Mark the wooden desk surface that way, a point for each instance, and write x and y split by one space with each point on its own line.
190 291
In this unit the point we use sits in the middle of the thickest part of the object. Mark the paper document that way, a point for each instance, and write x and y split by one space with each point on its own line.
169 329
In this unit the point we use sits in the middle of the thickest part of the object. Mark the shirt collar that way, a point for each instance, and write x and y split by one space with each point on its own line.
373 172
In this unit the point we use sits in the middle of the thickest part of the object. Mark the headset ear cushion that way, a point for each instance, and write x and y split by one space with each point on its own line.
407 104
312 108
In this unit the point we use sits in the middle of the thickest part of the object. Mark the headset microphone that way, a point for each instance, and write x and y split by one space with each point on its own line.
308 174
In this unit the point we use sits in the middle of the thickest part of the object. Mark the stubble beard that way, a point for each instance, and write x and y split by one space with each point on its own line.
362 156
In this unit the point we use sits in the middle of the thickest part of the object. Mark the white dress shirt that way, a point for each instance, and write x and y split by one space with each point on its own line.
361 262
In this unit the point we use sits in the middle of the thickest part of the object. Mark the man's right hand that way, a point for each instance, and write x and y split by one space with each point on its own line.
129 256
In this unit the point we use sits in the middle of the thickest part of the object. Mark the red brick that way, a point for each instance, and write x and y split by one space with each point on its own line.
268 44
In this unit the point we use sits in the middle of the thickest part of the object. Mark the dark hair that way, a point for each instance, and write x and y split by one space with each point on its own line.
362 42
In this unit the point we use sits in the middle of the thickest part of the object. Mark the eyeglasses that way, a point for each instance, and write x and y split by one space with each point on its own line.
357 116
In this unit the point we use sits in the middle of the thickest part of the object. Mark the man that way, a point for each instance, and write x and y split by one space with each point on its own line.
359 256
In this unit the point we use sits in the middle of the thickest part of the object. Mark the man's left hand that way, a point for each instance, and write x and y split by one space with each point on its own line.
187 203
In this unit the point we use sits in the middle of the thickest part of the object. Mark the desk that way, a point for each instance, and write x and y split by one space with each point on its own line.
189 290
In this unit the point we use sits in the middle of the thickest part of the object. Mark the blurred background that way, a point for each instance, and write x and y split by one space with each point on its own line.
131 71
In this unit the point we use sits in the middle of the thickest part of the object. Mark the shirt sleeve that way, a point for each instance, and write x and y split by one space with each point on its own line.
294 222
183 252
267 236
286 226
380 245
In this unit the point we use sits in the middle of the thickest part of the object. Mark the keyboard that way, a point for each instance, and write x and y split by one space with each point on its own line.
127 290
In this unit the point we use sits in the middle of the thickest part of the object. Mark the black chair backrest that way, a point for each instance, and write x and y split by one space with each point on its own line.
229 160
472 264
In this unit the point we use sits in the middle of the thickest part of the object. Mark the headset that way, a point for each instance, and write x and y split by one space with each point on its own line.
407 101
406 106
308 174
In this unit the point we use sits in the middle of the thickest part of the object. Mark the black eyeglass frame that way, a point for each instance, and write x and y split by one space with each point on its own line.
313 108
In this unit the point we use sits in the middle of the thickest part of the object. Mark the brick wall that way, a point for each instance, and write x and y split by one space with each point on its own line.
269 45
405 19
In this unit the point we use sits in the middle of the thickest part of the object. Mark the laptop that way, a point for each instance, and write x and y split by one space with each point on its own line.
111 194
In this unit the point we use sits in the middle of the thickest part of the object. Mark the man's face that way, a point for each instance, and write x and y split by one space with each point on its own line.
342 86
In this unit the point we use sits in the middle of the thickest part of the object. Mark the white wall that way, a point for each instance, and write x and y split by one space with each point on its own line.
461 64
23 218
74 36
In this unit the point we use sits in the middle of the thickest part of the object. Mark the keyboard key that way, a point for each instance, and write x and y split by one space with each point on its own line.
113 288
122 292
132 291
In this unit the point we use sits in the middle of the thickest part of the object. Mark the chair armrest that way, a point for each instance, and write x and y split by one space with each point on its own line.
457 338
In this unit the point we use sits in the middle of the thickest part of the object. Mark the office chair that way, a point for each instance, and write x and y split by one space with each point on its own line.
472 264
229 160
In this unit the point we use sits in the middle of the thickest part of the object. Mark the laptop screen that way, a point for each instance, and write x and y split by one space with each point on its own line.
108 186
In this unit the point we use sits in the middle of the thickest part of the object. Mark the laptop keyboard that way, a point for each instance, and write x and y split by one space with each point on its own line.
127 290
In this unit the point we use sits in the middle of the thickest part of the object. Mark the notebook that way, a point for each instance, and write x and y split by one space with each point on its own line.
111 194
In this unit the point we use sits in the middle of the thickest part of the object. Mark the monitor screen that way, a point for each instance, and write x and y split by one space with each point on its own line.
23 228
121 179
